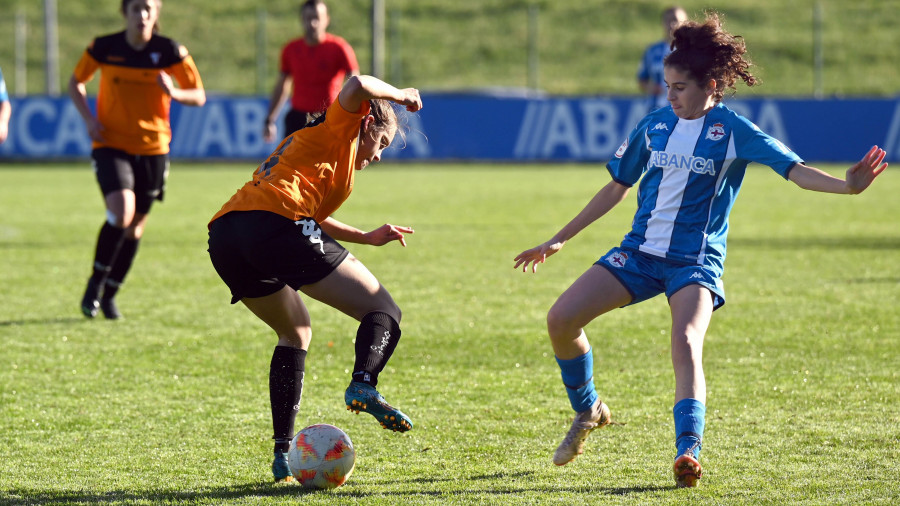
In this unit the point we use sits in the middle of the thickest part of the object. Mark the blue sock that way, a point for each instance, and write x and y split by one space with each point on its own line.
690 418
578 377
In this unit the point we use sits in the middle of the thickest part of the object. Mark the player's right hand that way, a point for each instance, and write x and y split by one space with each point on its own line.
536 255
411 99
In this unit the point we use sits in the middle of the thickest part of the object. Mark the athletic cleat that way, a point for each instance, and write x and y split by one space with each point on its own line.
90 303
110 311
363 397
687 470
280 469
585 421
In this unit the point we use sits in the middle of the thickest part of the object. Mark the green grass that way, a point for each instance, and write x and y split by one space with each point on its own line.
584 47
170 405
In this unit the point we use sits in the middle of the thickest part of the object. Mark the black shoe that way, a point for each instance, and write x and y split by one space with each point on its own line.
110 311
90 303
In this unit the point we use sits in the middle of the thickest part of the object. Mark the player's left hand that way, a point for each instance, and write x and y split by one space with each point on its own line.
863 172
164 81
387 233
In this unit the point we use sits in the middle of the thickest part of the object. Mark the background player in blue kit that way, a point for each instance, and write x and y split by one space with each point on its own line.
690 159
650 72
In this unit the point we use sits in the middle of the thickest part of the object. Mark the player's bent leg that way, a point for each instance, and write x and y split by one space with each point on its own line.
596 292
353 290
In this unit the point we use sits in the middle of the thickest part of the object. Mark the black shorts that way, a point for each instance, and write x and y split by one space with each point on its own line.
145 175
257 253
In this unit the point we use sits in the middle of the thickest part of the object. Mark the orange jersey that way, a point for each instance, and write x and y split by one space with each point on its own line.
311 172
131 106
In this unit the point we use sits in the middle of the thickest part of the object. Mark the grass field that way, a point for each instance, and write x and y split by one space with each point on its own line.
170 405
583 46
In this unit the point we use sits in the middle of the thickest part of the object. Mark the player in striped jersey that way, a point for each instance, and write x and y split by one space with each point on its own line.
130 135
689 159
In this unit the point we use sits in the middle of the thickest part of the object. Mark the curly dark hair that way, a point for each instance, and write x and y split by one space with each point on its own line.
706 51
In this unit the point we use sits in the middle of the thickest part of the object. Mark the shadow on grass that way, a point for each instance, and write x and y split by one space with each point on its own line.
42 321
223 494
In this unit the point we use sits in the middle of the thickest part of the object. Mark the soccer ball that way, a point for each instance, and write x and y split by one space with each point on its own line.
321 456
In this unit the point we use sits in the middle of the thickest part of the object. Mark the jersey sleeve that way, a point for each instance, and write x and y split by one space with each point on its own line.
285 60
350 63
185 72
343 123
757 146
86 67
628 164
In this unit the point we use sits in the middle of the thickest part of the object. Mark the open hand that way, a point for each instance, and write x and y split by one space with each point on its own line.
863 172
537 255
387 233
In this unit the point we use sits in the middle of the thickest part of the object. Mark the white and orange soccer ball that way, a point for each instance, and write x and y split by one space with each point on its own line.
321 456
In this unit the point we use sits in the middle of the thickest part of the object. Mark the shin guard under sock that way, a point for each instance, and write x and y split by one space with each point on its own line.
376 340
108 243
285 390
121 266
578 378
690 419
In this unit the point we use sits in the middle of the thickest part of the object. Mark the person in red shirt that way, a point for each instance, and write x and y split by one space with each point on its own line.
316 65
131 135
276 235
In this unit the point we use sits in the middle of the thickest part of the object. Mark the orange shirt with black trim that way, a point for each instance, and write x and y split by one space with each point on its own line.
131 106
310 174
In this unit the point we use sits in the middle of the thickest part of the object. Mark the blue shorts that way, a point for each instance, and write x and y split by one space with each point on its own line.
646 276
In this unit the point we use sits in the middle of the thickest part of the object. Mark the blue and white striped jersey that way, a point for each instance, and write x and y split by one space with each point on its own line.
690 173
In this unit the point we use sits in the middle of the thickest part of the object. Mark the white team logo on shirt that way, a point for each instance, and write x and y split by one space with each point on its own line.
617 259
622 148
716 132
661 126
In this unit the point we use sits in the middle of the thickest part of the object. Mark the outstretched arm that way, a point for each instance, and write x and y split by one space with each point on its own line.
358 89
378 237
857 179
607 198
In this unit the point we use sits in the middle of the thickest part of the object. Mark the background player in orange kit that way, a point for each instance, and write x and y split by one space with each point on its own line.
131 135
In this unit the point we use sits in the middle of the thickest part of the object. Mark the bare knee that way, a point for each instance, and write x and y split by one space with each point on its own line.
296 338
560 324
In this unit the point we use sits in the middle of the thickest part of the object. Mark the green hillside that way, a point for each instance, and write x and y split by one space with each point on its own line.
583 47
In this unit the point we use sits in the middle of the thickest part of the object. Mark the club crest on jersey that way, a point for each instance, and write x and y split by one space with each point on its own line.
155 57
617 259
716 132
622 148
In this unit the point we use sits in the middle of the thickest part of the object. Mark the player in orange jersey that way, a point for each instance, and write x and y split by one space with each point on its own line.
130 135
276 235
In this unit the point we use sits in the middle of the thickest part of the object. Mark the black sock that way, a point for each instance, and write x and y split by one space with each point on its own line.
376 339
108 242
285 389
120 267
